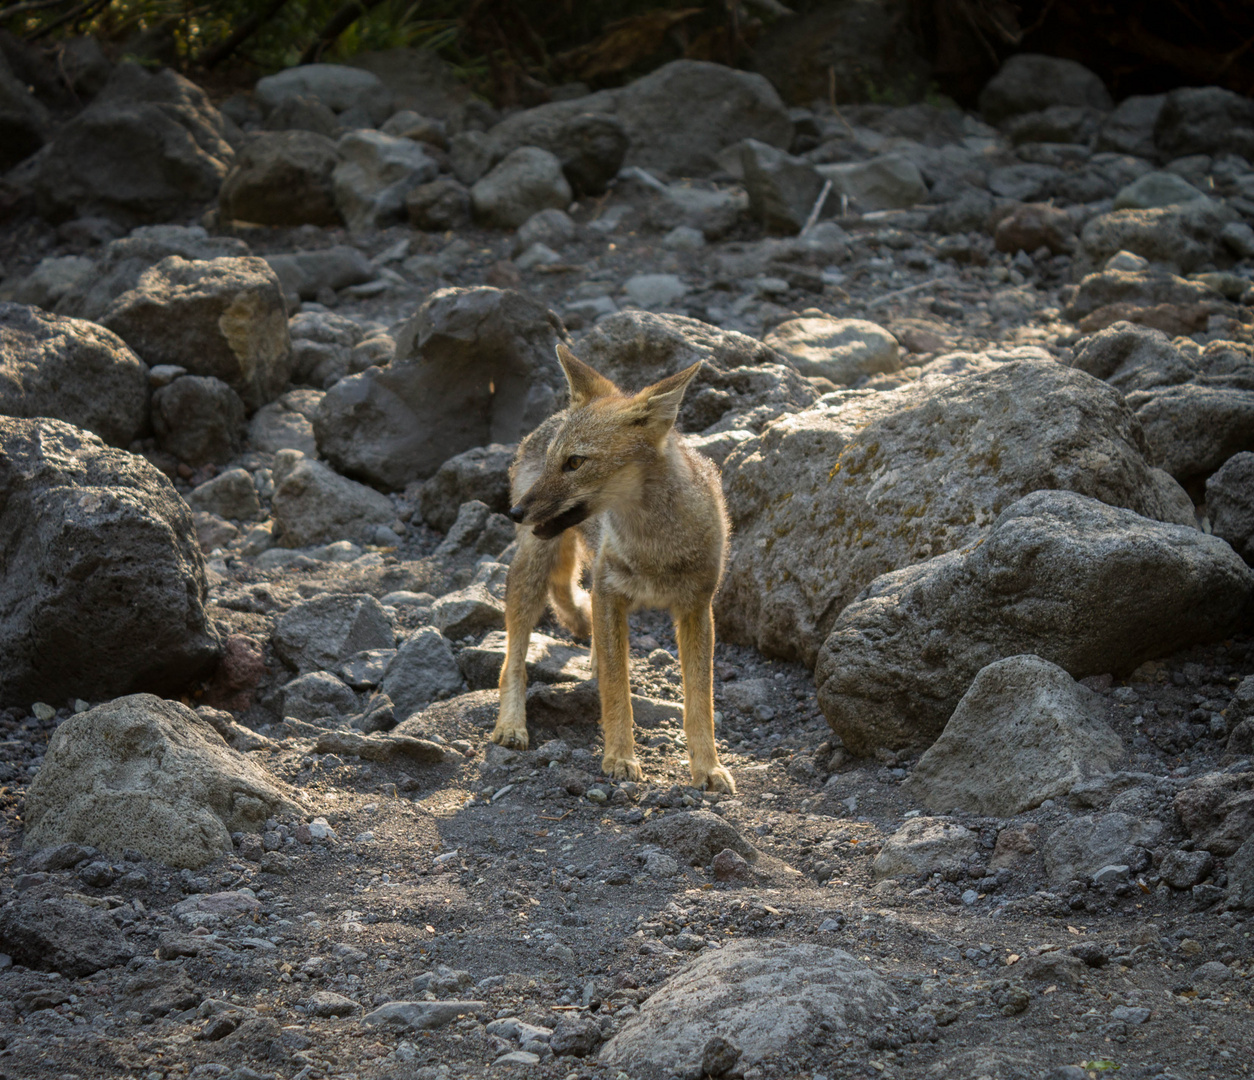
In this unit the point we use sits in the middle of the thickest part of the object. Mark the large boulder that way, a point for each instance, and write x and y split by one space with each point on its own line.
782 188
762 996
375 174
1129 129
887 182
313 504
1204 120
1217 809
1183 237
1196 406
899 658
481 474
423 670
472 367
61 933
111 593
71 370
526 182
677 119
680 116
148 148
1024 732
24 122
1030 82
1230 503
842 350
360 94
826 500
150 775
1080 847
589 147
320 634
742 382
282 178
220 317
198 419
123 261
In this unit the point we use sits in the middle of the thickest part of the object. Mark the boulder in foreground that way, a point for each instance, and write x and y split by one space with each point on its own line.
144 773
112 590
1086 586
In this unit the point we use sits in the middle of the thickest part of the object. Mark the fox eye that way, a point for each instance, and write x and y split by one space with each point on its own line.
573 462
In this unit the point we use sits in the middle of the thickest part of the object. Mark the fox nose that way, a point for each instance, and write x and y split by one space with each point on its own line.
516 514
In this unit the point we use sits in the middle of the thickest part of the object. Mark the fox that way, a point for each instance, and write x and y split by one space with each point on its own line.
611 482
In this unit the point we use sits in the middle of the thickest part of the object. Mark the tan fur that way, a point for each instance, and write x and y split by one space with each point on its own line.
651 509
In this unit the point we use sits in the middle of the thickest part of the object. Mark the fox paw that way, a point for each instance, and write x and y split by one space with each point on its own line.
622 768
716 779
512 738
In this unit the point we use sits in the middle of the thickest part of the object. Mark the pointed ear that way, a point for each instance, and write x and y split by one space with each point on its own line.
658 405
584 382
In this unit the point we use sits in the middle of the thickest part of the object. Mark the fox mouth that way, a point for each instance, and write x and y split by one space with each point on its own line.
555 526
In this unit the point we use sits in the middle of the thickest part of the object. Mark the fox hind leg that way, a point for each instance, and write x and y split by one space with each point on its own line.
570 600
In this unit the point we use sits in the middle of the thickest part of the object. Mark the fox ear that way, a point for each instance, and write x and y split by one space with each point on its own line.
658 405
585 383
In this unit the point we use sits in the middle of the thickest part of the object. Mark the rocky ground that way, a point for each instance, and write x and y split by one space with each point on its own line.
995 406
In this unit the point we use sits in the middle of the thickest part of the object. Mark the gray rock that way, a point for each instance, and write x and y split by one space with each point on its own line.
782 188
1081 846
480 474
306 273
651 291
327 1003
148 148
766 996
322 633
575 1036
525 182
71 370
923 845
303 113
1056 124
745 376
318 696
473 367
315 505
471 154
111 597
24 122
441 205
899 658
887 182
695 837
365 670
476 531
224 318
589 146
829 498
1184 237
1204 120
144 773
1129 129
1024 732
842 350
1230 503
286 424
423 670
469 611
1029 81
231 494
1241 877
1142 287
548 661
1217 810
123 261
283 178
421 1015
1196 406
340 88
551 227
198 420
1184 869
1156 189
375 175
713 212
50 281
59 933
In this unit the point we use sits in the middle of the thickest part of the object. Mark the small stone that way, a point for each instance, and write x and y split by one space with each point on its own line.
327 1003
1184 869
730 866
1110 874
43 712
1130 1014
575 1036
654 290
969 897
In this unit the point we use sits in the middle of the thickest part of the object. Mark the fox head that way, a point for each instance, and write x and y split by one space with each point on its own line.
598 456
